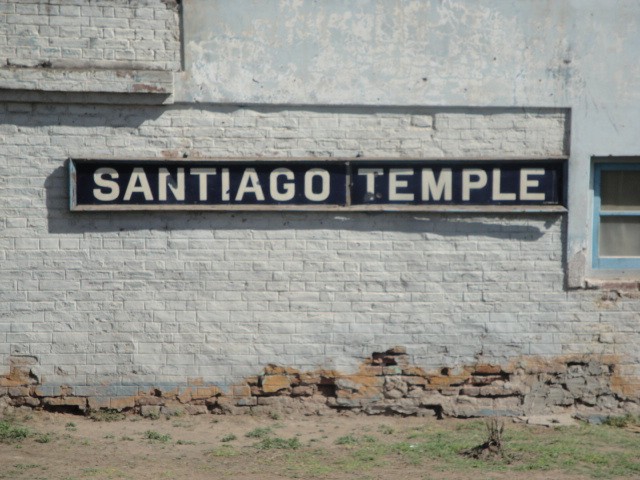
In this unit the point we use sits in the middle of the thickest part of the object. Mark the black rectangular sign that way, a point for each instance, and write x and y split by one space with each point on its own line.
313 185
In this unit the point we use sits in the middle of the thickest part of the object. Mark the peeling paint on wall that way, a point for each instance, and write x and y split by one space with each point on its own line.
576 54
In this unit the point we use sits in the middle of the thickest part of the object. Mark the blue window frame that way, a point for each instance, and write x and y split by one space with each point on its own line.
616 220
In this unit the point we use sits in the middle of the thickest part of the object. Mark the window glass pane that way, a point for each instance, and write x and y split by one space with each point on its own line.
620 190
620 236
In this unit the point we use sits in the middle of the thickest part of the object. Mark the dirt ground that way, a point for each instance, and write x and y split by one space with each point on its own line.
63 446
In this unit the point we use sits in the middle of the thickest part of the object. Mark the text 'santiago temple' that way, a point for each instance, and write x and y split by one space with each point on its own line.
99 184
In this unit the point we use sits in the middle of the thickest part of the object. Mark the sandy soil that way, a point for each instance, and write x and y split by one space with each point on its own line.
74 447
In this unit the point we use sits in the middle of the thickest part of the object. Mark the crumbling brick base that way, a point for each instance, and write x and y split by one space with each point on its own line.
386 383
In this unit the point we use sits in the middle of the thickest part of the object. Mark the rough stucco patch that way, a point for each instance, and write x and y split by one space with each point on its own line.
370 52
576 269
20 372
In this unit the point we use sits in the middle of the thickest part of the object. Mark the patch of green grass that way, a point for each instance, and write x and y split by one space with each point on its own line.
310 463
224 451
106 415
386 429
441 444
9 432
270 443
595 451
102 472
23 470
434 444
152 415
470 425
157 437
178 412
70 426
229 437
26 466
182 423
363 458
185 442
622 421
347 440
44 438
259 432
275 415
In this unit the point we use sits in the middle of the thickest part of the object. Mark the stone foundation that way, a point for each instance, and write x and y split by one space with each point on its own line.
385 384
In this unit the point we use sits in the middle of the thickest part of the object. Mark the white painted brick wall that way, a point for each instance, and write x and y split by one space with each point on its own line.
127 299
103 33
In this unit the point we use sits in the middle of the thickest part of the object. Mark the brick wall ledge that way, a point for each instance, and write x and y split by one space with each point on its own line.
613 284
88 81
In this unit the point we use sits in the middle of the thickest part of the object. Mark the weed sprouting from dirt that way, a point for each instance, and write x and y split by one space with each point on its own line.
157 437
12 433
275 416
230 437
278 443
106 415
347 440
152 415
495 431
224 451
492 448
44 438
386 430
268 442
178 412
27 466
260 432
622 421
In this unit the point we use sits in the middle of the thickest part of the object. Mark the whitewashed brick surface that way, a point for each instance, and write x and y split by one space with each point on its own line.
100 34
128 299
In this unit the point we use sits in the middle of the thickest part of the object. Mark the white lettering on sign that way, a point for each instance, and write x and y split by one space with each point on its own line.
176 185
496 194
289 187
203 185
395 184
250 183
324 182
468 184
138 183
225 185
435 189
526 183
374 183
113 189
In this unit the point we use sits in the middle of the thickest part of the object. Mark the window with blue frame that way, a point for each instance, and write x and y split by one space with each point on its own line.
616 235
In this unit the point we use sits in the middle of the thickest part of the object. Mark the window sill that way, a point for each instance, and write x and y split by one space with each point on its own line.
619 284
